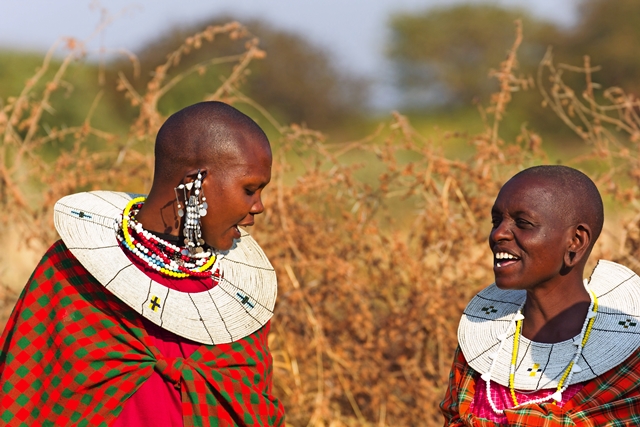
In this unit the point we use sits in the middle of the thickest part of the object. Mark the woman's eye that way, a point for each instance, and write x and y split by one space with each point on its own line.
249 192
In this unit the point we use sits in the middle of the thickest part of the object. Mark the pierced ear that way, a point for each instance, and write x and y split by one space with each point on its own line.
192 173
579 245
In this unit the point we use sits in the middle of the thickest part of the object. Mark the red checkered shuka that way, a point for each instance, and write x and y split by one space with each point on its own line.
612 399
72 354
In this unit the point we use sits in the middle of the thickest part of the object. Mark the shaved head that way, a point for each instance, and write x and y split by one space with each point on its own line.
205 134
574 194
230 156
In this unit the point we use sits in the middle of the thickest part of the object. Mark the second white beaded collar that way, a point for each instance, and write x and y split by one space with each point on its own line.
614 337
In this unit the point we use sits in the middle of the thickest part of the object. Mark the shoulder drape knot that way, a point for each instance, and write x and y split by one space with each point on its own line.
170 368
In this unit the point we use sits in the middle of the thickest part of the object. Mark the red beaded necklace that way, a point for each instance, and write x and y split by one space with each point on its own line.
159 254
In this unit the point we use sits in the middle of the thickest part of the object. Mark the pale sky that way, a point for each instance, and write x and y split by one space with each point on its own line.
352 31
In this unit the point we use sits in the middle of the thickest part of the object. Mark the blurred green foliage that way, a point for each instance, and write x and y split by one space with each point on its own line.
296 82
608 31
442 58
450 50
79 97
80 83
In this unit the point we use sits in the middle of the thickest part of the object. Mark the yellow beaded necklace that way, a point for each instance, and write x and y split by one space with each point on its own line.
557 396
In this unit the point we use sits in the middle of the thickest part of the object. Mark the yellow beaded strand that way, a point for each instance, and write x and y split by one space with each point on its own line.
125 219
514 356
208 264
177 274
595 310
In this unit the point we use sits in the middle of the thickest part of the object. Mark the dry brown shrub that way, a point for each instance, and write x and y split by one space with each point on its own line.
378 243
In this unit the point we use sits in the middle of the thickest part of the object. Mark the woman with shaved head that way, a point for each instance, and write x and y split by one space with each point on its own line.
154 310
542 346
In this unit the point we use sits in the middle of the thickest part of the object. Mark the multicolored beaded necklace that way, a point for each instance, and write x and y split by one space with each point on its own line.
159 254
568 372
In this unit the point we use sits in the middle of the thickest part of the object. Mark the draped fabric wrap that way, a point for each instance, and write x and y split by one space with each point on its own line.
72 354
611 399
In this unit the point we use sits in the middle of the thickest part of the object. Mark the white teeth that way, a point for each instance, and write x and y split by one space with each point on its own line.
504 255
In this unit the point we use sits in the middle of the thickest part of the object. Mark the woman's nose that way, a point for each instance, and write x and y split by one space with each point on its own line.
501 231
257 207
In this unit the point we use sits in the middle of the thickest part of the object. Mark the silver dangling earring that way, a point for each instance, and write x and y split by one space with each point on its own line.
180 211
202 205
195 210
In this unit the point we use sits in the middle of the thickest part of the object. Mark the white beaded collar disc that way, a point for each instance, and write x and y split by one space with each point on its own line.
615 334
240 304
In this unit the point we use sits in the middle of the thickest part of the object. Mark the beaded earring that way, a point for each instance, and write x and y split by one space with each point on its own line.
180 211
202 205
196 207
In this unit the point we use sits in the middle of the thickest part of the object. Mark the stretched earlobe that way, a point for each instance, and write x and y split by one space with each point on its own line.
580 246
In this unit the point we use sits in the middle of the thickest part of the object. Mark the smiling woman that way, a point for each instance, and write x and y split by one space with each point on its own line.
542 347
154 310
530 229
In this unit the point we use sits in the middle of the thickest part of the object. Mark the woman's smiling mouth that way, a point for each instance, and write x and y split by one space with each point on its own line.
503 259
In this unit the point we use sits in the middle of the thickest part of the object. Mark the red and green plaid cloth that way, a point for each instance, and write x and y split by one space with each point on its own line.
72 354
612 399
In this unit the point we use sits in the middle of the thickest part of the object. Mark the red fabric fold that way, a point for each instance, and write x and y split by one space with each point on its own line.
72 353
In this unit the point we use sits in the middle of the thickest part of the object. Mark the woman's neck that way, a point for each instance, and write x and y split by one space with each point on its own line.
160 216
555 315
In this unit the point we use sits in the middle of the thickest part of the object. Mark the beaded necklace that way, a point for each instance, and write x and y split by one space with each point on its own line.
565 379
159 254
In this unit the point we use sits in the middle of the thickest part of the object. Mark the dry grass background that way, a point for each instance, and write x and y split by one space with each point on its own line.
374 272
